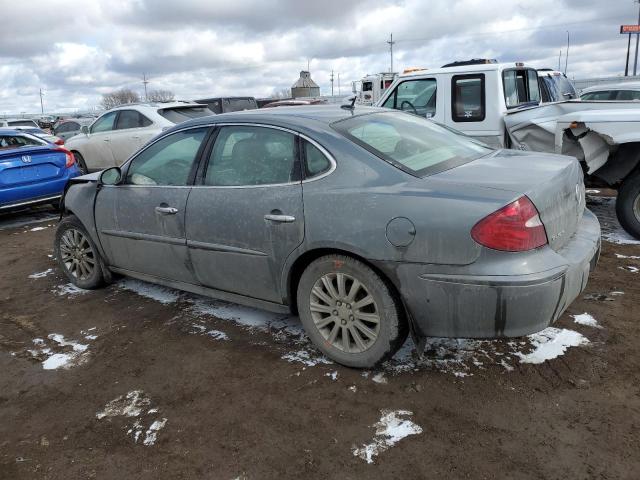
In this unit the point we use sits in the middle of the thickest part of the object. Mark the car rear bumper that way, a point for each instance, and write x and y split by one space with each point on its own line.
34 193
489 306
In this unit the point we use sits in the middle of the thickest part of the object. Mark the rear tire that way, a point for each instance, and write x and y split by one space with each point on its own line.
82 166
628 205
77 255
349 312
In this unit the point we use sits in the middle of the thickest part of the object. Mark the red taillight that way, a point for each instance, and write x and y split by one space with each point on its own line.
70 158
514 228
59 142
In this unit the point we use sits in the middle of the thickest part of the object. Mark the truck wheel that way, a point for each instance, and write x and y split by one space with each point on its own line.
628 205
77 255
349 312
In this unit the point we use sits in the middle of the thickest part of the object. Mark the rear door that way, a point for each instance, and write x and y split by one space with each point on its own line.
246 215
141 222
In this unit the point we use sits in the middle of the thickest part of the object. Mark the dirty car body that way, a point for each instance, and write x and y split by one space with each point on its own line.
358 187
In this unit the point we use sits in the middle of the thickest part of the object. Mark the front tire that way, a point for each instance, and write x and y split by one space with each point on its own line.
628 205
82 166
77 255
349 312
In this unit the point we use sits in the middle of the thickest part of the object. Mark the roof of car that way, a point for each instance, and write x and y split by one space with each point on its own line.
483 67
612 86
158 105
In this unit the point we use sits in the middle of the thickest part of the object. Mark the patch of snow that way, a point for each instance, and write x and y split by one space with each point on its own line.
152 433
154 292
630 268
58 360
54 360
630 257
617 293
37 229
332 375
586 319
389 430
129 405
310 359
353 388
589 190
218 335
551 343
41 274
379 378
620 238
69 289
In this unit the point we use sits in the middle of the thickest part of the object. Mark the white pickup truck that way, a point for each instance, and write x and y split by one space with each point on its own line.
499 104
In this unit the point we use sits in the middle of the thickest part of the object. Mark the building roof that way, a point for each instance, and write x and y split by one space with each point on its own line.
305 81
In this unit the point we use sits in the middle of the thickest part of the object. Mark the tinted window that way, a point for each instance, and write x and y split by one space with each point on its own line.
67 127
16 141
628 95
182 114
22 123
104 123
168 161
252 156
131 119
411 143
415 96
605 95
315 161
520 87
467 98
238 104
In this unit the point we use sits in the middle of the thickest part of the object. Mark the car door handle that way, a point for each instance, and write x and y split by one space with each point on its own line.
166 210
280 218
106 139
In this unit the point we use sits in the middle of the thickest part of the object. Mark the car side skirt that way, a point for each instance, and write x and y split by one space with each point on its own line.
206 291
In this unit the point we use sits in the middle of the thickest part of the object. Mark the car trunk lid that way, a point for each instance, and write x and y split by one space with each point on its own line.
553 183
30 164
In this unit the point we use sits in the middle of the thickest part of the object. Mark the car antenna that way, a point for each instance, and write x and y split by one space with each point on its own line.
349 106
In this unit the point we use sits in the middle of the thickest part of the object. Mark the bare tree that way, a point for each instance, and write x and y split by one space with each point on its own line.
282 93
161 96
119 97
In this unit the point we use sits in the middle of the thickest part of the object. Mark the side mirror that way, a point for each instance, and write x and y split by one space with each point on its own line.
110 176
84 129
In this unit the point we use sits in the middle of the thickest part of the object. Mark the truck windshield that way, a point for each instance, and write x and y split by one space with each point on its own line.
413 144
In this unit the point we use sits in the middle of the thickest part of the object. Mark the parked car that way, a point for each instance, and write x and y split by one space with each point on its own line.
620 91
32 171
555 86
229 104
38 132
118 133
500 104
18 122
65 129
46 122
295 103
402 223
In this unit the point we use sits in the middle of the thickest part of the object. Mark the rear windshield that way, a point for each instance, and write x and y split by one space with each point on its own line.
182 114
8 142
411 143
21 123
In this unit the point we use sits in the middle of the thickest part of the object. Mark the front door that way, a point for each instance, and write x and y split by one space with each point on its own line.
97 150
141 222
245 217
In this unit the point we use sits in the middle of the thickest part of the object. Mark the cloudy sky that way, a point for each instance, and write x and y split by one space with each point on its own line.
77 50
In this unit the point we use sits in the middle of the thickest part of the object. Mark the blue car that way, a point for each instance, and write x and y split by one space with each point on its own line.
32 170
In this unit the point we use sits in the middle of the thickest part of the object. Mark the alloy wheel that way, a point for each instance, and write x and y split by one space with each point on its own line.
77 254
344 312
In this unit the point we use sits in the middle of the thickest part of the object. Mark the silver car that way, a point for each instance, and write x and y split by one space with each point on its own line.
368 223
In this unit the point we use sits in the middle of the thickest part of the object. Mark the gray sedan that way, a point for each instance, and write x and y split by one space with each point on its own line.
368 223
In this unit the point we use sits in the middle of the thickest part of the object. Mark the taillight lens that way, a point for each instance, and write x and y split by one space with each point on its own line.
70 158
59 142
514 228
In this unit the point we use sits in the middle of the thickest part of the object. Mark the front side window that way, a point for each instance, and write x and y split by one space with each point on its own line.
104 123
169 161
415 96
245 155
467 98
413 144
520 87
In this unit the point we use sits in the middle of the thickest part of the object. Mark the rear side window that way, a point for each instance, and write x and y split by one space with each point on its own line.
628 95
467 98
415 96
606 95
131 119
244 156
520 87
315 161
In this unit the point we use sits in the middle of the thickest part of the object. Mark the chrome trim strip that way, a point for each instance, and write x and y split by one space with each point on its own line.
144 236
216 247
29 202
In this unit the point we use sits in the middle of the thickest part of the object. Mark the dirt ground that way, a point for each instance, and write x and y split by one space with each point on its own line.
220 392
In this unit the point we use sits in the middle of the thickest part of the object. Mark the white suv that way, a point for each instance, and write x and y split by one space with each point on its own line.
114 136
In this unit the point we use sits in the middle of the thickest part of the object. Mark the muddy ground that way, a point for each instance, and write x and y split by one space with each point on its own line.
135 381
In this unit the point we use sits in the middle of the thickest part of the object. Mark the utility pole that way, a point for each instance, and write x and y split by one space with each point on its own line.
391 43
339 84
41 102
145 82
566 57
331 83
560 60
626 67
635 63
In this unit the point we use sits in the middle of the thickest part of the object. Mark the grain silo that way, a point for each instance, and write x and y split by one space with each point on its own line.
305 86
